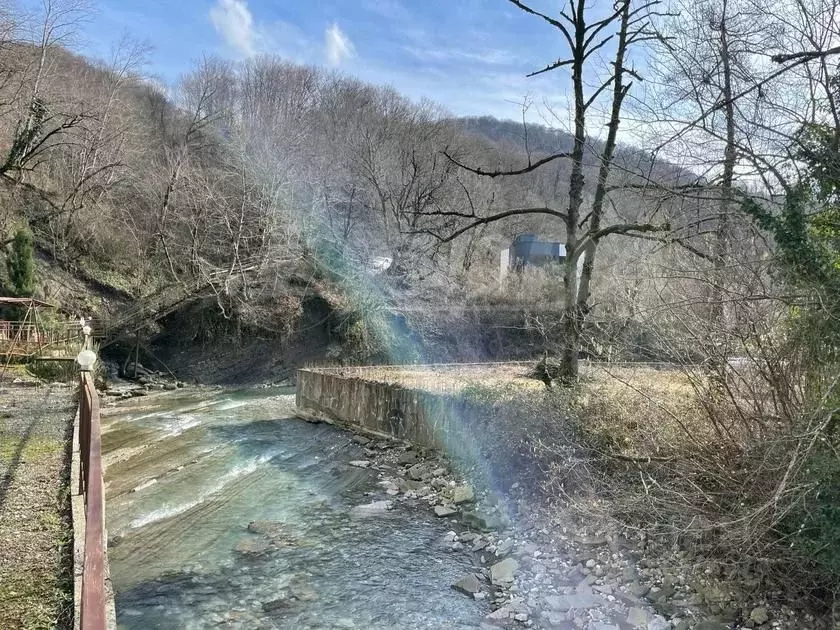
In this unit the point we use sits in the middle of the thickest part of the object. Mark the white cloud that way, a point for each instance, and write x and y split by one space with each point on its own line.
337 46
233 21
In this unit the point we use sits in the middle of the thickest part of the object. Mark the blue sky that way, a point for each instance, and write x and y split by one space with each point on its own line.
471 56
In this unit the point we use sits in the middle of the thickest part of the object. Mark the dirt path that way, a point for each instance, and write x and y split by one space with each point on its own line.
36 553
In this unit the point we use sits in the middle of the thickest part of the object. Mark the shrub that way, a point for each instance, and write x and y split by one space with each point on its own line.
20 263
53 371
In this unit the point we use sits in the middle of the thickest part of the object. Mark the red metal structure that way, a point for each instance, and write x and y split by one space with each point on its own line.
93 615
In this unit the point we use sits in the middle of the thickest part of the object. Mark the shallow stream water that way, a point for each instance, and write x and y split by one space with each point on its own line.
186 472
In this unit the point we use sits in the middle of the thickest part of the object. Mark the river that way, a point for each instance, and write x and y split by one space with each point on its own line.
187 472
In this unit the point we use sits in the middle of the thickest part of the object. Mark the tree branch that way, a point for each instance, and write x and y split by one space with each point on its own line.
553 66
555 23
806 55
492 219
532 166
627 228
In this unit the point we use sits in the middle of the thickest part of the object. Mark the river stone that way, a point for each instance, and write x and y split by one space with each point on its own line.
407 457
418 472
253 546
266 528
276 605
629 574
360 463
557 620
503 572
637 618
504 548
502 614
713 594
303 592
276 532
658 622
484 521
372 509
759 615
574 601
468 585
556 603
462 494
390 487
407 485
443 511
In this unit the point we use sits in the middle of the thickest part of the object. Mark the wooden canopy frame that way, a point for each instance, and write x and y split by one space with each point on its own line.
17 340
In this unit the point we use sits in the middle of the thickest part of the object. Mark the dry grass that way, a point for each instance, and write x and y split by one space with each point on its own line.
647 410
638 410
642 411
446 378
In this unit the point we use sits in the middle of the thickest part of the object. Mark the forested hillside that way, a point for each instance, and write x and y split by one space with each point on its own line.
262 182
257 185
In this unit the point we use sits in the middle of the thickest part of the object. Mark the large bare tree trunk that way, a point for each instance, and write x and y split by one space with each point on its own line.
619 92
570 342
720 249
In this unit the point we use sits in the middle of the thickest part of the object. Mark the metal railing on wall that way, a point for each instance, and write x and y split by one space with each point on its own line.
93 599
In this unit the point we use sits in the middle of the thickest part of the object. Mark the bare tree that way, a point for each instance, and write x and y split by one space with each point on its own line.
585 34
42 124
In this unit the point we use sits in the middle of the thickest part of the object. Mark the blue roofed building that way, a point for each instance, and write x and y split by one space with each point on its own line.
528 251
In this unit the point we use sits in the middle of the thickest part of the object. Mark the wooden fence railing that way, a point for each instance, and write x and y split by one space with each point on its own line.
93 600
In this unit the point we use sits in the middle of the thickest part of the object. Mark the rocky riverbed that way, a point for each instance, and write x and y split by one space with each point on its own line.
540 568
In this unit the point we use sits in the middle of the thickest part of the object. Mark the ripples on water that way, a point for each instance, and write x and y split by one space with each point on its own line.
186 477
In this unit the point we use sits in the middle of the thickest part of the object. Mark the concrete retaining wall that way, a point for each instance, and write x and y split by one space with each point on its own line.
423 418
482 434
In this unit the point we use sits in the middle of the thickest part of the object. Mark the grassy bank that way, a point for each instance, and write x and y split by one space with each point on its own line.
36 587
